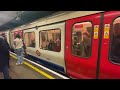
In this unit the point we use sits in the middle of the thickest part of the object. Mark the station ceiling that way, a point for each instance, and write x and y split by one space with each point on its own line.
12 19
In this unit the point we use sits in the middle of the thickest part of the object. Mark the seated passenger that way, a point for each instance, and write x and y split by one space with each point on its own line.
51 45
32 43
58 45
47 44
43 46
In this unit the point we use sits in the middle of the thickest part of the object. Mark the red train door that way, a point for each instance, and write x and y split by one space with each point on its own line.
82 41
110 49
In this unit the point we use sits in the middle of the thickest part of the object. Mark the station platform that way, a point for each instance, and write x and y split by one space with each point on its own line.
30 70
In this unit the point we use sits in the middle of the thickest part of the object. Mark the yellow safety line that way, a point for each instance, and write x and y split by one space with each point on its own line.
36 69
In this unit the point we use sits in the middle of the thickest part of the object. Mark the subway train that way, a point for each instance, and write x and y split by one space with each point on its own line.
79 44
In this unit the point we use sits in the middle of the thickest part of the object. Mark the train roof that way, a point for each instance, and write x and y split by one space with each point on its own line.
56 17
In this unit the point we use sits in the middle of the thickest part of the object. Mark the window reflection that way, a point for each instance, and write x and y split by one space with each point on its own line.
115 42
50 40
81 39
30 39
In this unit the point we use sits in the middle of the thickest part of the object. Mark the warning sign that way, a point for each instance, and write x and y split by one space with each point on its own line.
106 31
96 27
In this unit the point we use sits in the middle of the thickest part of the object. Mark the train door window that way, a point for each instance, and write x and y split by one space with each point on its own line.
115 42
50 40
81 39
30 39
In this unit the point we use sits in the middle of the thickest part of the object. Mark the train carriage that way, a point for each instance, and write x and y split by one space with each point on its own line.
80 44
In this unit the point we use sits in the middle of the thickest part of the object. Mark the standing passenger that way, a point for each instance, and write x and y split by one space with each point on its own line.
6 43
86 44
4 59
18 45
4 36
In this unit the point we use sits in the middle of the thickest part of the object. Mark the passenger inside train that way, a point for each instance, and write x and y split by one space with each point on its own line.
115 43
58 44
82 40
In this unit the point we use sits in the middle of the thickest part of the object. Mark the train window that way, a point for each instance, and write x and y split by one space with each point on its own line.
30 39
50 40
115 42
81 39
11 40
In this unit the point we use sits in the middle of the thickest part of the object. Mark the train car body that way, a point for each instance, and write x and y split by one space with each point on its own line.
79 44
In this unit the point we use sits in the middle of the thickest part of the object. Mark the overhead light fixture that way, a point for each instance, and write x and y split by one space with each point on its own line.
17 18
19 14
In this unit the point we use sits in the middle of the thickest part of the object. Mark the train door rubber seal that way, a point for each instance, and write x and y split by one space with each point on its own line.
100 44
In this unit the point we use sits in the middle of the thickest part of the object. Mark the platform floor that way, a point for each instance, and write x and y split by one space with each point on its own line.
25 72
